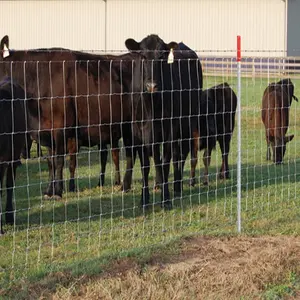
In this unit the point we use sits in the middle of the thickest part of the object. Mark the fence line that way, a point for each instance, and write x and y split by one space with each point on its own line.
239 136
252 66
98 220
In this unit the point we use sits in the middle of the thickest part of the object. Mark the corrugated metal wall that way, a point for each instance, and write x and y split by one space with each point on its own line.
293 33
202 24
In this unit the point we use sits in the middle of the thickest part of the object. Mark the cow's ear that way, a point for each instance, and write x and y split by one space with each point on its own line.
4 42
4 46
172 45
132 45
288 138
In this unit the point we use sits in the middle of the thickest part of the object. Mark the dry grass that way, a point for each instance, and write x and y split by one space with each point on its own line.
205 268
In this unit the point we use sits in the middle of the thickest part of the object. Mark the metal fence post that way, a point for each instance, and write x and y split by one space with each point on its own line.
239 137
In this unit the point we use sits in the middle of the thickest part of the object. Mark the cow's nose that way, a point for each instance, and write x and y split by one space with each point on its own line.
151 86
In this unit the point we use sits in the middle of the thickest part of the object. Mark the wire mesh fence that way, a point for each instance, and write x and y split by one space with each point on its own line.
104 122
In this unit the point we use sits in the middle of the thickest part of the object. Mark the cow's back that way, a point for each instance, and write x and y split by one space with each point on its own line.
75 89
186 84
275 112
189 67
225 103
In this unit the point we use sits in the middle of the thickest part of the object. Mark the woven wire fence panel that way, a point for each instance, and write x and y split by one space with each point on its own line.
82 106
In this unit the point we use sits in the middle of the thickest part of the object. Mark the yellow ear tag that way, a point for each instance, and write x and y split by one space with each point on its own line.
5 51
171 56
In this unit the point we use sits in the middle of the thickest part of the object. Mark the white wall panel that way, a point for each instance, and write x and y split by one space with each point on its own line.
210 25
202 24
70 24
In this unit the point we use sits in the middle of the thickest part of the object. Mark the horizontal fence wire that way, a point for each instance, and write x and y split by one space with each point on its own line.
83 135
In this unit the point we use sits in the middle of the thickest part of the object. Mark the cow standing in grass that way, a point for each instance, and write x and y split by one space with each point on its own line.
276 102
78 99
224 102
12 140
168 77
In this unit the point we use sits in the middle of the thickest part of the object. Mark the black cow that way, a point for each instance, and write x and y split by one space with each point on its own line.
167 110
224 103
12 140
204 138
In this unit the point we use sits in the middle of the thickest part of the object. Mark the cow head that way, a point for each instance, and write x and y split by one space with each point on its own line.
288 87
279 147
154 52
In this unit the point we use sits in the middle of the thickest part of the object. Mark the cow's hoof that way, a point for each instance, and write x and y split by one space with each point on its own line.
167 205
47 197
9 218
192 182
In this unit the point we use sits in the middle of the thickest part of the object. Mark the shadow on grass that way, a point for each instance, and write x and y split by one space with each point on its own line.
48 279
108 202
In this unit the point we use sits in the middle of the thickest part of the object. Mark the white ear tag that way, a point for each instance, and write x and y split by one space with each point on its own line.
5 51
171 56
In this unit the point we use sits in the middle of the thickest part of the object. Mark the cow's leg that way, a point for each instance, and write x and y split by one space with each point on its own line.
59 162
145 168
2 172
115 153
51 171
27 147
269 155
224 143
130 151
130 161
158 167
103 160
178 181
39 150
184 154
206 161
194 144
72 149
165 194
176 150
10 183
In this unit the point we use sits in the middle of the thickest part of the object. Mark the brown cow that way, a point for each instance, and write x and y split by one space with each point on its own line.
276 102
76 99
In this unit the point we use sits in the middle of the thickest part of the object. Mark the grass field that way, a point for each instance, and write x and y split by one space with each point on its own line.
89 229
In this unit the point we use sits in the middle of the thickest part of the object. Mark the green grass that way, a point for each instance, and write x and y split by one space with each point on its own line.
289 288
84 229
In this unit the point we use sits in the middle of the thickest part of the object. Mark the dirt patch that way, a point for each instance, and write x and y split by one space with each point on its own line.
205 268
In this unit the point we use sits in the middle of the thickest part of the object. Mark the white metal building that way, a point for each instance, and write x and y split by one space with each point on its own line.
210 25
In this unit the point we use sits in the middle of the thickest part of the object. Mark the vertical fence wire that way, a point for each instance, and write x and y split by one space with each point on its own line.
96 220
239 135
